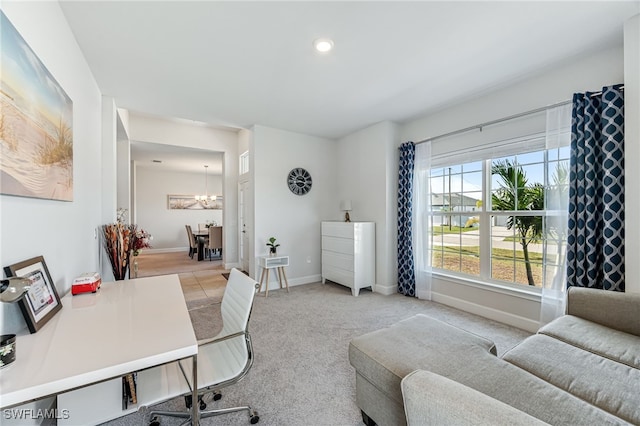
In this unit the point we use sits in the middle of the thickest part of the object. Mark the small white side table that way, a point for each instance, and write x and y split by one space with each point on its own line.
270 262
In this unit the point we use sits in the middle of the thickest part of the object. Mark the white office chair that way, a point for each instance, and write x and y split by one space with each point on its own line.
226 358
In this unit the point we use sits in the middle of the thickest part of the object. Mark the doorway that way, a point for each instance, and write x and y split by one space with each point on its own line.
243 193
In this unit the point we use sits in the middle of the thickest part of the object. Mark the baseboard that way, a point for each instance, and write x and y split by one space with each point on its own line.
233 265
305 280
386 290
273 283
167 250
491 313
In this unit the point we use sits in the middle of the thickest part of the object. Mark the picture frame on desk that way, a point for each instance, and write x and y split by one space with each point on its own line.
41 302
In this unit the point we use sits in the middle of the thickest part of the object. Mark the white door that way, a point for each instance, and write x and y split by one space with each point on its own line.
242 220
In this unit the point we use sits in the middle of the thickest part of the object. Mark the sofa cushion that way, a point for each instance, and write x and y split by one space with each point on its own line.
609 385
595 338
428 399
384 357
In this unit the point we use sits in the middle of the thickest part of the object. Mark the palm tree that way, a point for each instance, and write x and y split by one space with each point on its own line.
516 195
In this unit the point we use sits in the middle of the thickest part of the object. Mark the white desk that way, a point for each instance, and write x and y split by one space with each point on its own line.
126 326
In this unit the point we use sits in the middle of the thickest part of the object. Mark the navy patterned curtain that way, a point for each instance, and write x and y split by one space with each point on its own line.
406 271
595 242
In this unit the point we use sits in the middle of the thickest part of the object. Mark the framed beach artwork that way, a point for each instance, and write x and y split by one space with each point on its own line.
36 124
189 202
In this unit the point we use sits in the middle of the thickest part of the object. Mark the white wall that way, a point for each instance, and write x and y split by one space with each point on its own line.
368 175
193 135
123 168
293 219
632 151
244 139
167 226
589 72
62 232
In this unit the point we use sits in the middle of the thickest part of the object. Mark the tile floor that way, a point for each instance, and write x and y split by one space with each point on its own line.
203 284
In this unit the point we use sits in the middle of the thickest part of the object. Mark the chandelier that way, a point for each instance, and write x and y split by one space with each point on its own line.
205 198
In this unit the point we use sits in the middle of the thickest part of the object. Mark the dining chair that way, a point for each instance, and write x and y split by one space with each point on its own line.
215 240
202 226
226 358
193 246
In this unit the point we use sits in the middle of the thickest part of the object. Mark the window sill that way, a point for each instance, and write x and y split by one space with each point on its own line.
524 293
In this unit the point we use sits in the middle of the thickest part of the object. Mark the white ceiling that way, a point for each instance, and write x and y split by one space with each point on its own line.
243 63
175 159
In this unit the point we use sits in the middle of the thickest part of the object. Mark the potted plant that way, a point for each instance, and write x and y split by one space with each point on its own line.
273 245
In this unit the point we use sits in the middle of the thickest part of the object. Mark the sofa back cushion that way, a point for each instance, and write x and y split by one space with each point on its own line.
595 338
609 385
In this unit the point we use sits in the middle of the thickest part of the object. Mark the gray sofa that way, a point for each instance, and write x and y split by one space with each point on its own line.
581 369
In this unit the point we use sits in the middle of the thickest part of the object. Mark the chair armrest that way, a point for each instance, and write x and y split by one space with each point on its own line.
431 399
221 339
613 309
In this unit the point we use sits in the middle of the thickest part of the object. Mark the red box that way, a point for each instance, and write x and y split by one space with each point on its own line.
86 283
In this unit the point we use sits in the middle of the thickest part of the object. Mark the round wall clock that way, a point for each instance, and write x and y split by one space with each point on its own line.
299 181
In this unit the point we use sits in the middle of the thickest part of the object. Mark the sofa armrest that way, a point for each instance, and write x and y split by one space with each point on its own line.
613 309
431 399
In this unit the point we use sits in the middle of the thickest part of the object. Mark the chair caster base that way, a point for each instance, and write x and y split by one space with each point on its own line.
254 417
188 402
155 421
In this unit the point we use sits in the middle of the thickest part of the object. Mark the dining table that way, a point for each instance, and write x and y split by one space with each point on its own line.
201 236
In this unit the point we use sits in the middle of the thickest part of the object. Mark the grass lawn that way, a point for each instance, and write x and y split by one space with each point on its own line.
505 266
444 229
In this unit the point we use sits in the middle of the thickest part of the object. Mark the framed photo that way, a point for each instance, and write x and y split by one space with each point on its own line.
41 302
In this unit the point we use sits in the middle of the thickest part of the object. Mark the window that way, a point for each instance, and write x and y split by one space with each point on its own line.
244 163
490 219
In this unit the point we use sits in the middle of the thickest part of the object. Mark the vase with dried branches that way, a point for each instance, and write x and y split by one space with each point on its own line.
118 240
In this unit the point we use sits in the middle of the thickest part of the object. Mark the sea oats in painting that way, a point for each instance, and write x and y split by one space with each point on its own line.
36 124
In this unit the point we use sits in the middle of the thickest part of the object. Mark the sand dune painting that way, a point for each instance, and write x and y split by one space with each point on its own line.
189 202
36 124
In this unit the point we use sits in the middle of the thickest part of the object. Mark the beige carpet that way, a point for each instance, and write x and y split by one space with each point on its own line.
301 374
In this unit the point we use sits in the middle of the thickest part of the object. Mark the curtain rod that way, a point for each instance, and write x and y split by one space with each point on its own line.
500 120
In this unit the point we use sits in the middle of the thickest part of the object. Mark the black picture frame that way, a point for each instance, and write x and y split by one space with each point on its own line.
41 302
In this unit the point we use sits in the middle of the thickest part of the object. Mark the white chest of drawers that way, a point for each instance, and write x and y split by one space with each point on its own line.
349 254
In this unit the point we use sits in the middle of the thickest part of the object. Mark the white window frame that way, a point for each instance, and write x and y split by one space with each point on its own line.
513 147
243 163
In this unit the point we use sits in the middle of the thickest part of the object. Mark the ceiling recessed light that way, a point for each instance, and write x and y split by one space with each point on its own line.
323 45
